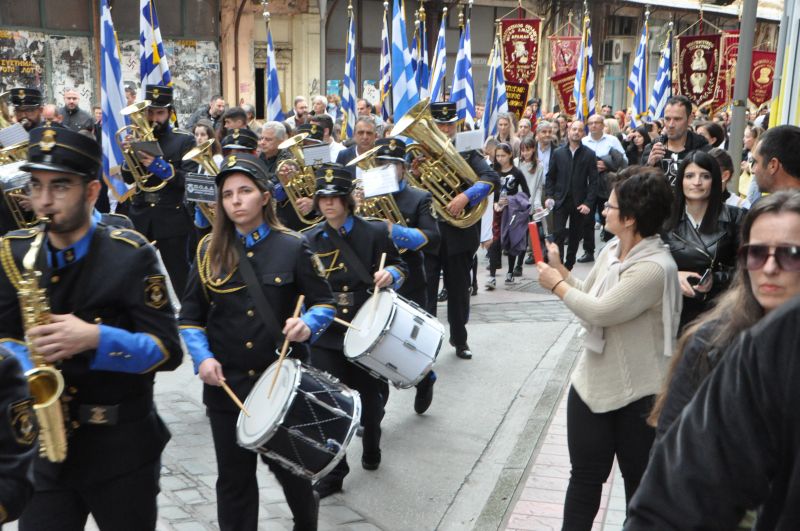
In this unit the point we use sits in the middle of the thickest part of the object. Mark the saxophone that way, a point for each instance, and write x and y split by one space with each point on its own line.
45 381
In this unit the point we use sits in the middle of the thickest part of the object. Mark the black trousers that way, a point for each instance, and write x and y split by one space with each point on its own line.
568 213
593 440
372 402
457 270
125 503
237 486
588 228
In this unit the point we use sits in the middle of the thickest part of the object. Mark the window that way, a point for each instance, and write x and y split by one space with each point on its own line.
70 15
176 18
201 18
20 14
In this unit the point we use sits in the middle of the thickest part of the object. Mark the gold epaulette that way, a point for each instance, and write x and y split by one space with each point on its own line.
21 233
129 236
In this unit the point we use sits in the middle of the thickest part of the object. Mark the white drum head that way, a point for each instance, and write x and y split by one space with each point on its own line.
371 324
267 413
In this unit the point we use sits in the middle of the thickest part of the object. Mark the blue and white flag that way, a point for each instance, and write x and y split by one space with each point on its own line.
404 86
274 107
349 93
496 100
637 83
662 88
423 71
153 67
583 90
112 101
385 80
439 62
463 93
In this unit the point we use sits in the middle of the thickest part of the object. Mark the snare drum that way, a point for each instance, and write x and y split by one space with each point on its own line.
307 423
396 339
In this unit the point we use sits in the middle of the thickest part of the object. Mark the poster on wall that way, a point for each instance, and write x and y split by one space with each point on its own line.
22 59
72 62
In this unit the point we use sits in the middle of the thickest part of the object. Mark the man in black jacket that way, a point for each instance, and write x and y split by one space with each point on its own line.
570 187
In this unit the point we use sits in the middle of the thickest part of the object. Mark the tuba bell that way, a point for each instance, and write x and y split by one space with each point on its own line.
381 206
202 155
303 183
444 173
141 131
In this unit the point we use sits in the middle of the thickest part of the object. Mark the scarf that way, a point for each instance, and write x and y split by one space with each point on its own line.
650 249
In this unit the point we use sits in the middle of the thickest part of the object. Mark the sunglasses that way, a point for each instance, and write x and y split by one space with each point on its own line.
754 257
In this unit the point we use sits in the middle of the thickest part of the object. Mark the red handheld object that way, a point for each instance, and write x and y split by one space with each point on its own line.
536 244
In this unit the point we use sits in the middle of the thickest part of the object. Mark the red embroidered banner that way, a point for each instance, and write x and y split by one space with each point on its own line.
762 76
727 69
520 39
698 67
564 53
563 84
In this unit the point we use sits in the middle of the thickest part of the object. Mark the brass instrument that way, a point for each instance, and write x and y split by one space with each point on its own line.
141 131
45 381
304 183
13 184
202 155
380 206
15 153
445 174
5 115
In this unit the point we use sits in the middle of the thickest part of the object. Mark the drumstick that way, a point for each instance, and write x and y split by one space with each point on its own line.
285 347
234 397
345 323
374 301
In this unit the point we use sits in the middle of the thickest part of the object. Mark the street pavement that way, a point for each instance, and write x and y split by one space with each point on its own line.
462 465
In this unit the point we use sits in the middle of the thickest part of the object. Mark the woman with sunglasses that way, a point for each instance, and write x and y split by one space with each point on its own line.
702 233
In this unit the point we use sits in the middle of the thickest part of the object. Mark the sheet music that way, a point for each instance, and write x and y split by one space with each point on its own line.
13 134
469 140
379 181
316 155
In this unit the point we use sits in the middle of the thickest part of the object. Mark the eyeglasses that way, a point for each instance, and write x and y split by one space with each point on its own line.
57 190
607 205
754 257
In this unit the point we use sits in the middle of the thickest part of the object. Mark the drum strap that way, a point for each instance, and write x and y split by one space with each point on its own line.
257 294
349 255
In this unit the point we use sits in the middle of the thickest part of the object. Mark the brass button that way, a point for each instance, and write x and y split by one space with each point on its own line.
278 280
97 320
54 279
178 207
345 310
249 254
72 390
250 313
152 205
75 424
251 372
249 344
345 288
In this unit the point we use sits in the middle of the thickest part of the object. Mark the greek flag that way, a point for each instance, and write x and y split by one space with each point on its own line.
423 71
404 86
274 108
637 83
462 92
662 88
439 62
496 101
153 67
112 101
583 90
349 89
386 67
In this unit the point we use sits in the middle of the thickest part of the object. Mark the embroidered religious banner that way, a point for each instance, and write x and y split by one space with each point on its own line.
762 75
698 67
517 97
563 84
520 38
727 69
564 52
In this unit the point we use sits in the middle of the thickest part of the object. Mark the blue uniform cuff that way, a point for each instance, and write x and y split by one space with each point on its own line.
477 192
121 351
318 319
279 193
200 219
397 276
407 238
161 169
20 351
197 344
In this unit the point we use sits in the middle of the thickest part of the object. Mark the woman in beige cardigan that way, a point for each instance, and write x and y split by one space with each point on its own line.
630 306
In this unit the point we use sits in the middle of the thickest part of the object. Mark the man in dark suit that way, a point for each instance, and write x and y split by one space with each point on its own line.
570 187
365 134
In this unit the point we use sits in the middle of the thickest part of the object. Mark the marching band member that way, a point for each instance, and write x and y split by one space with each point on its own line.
162 216
28 105
458 245
350 249
286 211
419 234
231 341
111 327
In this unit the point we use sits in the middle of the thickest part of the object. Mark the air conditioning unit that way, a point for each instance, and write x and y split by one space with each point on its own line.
612 51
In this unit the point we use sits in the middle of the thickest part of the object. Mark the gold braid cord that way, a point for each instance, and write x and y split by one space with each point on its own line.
9 265
204 270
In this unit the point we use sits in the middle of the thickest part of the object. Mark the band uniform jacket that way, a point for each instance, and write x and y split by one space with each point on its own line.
572 176
285 210
237 336
468 239
163 214
369 238
18 433
121 283
415 206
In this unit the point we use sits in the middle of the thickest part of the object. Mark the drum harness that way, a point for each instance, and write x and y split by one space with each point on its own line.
260 301
349 255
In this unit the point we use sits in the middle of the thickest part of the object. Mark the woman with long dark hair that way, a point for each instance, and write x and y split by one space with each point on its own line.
638 141
513 206
702 233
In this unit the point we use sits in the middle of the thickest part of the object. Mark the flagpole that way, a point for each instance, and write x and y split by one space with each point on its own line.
266 15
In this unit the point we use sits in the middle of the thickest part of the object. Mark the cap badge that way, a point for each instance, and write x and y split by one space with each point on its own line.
328 176
232 160
155 93
314 129
21 94
48 140
235 133
392 145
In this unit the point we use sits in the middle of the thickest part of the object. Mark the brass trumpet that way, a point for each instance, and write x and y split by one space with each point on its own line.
444 173
304 183
202 155
141 130
381 206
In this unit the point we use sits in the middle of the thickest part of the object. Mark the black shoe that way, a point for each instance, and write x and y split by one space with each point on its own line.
474 288
309 521
328 486
424 397
586 258
518 271
529 260
464 352
442 295
371 462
